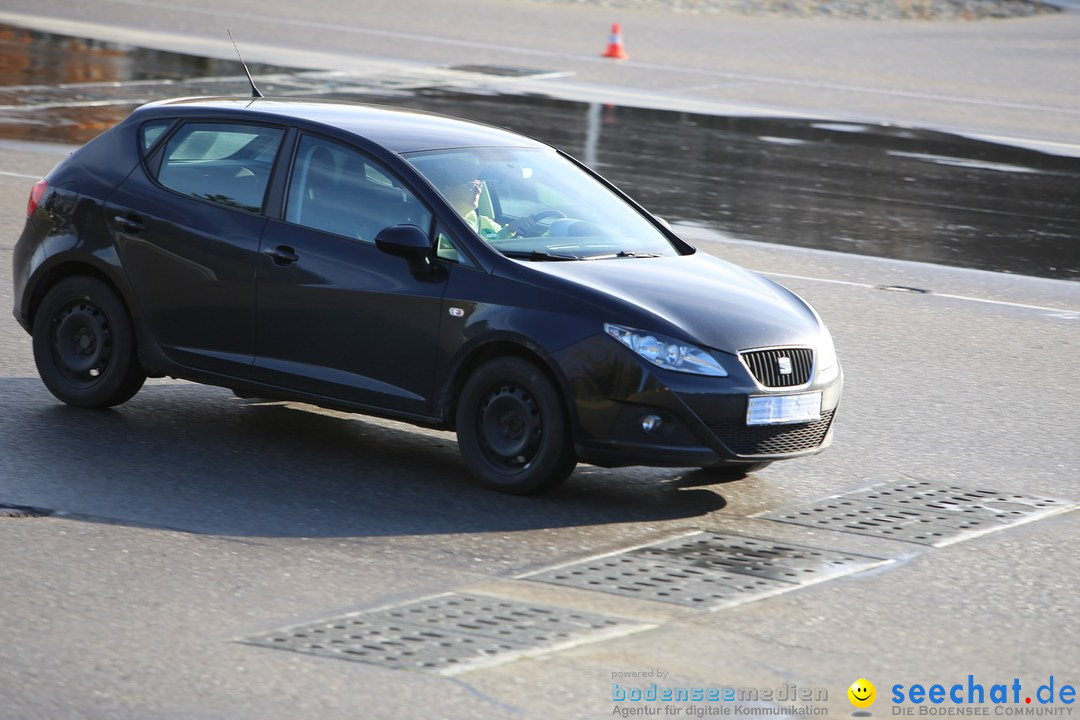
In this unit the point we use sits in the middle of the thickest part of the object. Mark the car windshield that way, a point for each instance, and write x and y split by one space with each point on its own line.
533 204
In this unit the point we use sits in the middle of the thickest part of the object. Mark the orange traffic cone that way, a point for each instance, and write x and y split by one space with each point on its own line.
615 46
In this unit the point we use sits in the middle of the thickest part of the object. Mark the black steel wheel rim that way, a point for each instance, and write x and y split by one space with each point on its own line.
511 427
82 342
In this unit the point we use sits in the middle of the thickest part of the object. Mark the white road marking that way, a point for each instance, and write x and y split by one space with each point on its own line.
816 279
1057 312
19 175
74 104
1048 146
1054 311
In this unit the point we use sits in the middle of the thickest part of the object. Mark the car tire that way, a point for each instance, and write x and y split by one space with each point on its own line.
512 428
734 471
84 345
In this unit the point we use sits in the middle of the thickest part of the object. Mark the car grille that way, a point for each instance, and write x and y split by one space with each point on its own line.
765 365
744 439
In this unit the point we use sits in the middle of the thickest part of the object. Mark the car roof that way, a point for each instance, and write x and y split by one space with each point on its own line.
399 130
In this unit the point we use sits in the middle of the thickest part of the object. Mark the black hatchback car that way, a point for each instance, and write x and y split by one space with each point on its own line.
413 266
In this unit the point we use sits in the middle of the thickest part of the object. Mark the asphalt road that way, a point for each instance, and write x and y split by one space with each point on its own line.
1018 78
187 519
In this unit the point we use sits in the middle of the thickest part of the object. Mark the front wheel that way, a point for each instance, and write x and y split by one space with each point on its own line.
512 428
84 346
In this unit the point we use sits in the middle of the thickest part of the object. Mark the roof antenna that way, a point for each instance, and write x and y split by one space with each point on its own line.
254 90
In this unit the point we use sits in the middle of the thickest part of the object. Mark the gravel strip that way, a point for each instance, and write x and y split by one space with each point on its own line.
853 9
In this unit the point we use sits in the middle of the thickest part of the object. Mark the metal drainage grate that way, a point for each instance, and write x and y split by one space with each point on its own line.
761 558
919 512
446 635
707 570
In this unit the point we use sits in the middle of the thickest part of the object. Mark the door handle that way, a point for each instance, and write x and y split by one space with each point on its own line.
282 255
130 223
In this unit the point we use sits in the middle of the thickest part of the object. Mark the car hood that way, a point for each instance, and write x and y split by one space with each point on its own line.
700 298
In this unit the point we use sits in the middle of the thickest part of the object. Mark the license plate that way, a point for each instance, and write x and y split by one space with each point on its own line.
784 409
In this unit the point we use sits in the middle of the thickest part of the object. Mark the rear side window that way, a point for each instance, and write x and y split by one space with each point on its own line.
151 131
228 164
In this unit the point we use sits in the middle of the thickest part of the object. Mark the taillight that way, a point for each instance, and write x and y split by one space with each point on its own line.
36 193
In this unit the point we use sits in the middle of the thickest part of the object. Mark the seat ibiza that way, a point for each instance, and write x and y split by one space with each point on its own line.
418 267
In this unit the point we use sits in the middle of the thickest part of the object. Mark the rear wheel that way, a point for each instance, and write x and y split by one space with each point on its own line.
512 428
84 346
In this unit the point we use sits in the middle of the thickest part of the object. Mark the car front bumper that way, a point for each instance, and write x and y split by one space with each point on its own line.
702 420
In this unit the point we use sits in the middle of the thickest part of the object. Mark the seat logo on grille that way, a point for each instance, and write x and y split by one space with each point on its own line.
783 364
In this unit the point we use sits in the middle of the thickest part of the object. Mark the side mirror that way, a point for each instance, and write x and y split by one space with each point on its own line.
405 241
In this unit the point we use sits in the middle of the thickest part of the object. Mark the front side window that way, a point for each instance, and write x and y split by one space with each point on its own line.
228 164
534 204
335 189
447 248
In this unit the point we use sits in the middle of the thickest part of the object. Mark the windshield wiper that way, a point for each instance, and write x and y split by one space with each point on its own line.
623 254
537 255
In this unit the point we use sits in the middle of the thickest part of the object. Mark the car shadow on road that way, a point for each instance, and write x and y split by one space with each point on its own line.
196 459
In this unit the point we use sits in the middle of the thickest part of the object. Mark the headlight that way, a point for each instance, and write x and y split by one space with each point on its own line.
667 353
826 354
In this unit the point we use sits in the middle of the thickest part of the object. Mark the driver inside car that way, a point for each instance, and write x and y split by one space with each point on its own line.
459 184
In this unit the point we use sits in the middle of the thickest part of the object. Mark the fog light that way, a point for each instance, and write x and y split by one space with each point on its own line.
651 423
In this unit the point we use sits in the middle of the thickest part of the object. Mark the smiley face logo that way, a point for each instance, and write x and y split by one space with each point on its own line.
862 693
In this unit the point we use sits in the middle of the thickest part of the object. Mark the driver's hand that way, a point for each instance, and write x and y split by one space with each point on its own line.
524 227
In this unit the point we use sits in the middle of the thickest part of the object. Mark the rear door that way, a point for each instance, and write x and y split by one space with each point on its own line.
337 317
187 227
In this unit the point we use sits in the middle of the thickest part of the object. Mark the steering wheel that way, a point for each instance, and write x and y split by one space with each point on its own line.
543 214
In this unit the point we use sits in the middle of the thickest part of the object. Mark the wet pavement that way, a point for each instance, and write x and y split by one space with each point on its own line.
867 189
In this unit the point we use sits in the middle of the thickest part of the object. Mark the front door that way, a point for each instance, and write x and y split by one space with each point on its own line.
337 317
